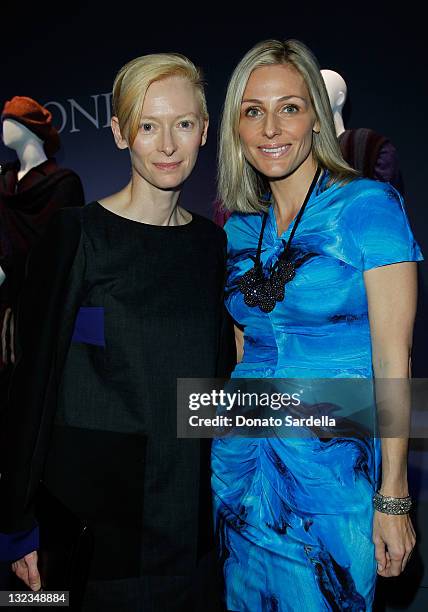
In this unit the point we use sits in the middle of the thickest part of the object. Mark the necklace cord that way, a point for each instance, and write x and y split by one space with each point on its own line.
297 221
265 292
259 246
302 208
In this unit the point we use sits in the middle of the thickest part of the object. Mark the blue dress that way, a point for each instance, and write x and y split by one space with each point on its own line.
294 516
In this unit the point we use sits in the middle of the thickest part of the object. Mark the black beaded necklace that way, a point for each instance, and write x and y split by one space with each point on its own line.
265 292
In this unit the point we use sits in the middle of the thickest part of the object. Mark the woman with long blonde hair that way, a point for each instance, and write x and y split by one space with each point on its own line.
321 284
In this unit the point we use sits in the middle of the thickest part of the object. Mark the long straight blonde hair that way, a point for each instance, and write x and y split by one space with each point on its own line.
134 78
240 186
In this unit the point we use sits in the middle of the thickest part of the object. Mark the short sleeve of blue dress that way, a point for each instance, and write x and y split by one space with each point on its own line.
377 222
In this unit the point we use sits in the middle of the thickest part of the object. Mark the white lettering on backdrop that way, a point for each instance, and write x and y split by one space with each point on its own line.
73 116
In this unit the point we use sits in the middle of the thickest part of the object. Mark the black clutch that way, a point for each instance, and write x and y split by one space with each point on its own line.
66 547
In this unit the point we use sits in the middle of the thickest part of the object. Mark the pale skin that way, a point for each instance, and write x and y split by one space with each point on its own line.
163 154
276 127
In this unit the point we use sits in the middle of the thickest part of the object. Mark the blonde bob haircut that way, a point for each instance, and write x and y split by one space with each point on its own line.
241 188
133 80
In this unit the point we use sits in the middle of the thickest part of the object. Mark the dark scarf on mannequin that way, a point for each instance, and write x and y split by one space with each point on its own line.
26 207
360 148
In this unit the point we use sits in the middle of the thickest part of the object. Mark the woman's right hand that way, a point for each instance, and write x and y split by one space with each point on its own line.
26 569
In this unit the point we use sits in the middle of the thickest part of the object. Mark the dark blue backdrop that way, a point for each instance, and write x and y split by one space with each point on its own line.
71 59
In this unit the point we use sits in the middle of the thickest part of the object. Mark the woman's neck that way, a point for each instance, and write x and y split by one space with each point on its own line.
143 202
290 192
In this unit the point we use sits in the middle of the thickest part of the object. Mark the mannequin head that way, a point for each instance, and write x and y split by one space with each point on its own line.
336 89
16 136
28 146
37 119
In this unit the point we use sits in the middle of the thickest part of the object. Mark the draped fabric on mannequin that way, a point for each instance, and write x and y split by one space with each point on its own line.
25 209
373 155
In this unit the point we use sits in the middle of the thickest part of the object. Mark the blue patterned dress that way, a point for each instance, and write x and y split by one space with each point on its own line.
294 516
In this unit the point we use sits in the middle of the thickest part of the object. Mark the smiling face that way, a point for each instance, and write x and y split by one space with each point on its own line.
277 121
171 131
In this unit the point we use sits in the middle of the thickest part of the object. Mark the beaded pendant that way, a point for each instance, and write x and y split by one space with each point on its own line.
266 291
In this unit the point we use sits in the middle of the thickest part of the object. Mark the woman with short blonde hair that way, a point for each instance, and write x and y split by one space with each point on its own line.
121 322
134 78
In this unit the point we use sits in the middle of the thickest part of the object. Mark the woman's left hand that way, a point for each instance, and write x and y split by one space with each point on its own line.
394 539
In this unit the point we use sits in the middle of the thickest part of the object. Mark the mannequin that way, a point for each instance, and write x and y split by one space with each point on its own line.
364 149
29 147
31 189
337 92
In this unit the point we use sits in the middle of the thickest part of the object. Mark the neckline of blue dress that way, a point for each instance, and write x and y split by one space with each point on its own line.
320 191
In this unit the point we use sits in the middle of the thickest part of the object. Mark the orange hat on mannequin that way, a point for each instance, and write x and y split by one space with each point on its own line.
34 117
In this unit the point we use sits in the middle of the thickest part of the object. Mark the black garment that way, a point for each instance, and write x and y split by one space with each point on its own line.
105 416
26 207
373 155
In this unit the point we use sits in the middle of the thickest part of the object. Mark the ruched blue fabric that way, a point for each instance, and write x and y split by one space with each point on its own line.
294 515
